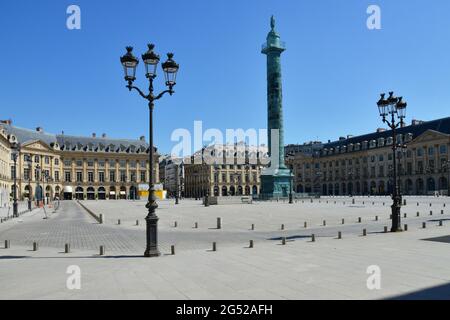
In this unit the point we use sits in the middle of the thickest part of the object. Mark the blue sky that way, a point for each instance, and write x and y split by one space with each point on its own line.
333 69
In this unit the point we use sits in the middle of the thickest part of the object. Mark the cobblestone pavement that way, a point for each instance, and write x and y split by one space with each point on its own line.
72 224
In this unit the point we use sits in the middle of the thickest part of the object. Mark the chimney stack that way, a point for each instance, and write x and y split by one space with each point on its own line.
142 138
40 129
94 135
103 135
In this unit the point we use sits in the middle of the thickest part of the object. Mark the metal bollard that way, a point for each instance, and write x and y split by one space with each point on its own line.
417 204
406 227
7 244
219 223
253 226
404 202
196 225
175 224
102 250
101 218
440 223
339 235
118 221
172 250
353 201
364 232
324 223
431 213
383 203
282 227
442 211
214 246
305 225
137 222
35 246
376 218
313 237
250 245
430 204
424 225
418 213
359 220
343 221
283 241
405 215
385 229
67 248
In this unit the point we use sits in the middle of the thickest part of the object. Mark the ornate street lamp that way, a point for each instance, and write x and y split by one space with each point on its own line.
15 154
29 182
170 68
394 107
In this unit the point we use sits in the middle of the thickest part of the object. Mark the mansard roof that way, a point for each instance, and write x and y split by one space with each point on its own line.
78 143
415 130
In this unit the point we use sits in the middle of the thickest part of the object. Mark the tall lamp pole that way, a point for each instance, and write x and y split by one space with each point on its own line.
393 107
15 153
170 68
29 183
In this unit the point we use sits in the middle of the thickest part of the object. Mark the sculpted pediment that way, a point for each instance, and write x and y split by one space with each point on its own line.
430 135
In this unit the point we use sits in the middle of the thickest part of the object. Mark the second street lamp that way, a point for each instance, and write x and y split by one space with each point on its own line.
393 106
29 182
15 154
170 68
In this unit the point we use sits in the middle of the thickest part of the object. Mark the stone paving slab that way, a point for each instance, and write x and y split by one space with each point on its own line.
326 269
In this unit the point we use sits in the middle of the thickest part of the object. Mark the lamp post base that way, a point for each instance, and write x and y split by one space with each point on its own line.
152 237
396 223
15 210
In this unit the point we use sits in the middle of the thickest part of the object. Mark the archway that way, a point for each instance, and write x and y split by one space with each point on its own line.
123 192
232 191
112 193
240 190
381 188
358 188
216 191
90 193
324 190
133 193
373 188
431 185
79 193
330 189
224 191
300 188
254 190
101 193
247 190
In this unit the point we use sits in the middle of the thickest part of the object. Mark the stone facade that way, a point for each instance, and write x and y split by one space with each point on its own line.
79 167
237 172
363 165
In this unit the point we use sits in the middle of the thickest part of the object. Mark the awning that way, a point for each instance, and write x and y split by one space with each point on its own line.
123 192
68 189
113 193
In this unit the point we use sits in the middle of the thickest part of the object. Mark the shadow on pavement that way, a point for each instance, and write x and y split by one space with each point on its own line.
441 292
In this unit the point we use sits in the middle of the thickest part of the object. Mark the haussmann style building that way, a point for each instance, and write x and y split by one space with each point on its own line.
74 167
362 165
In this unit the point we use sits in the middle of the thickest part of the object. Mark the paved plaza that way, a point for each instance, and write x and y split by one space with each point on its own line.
329 268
